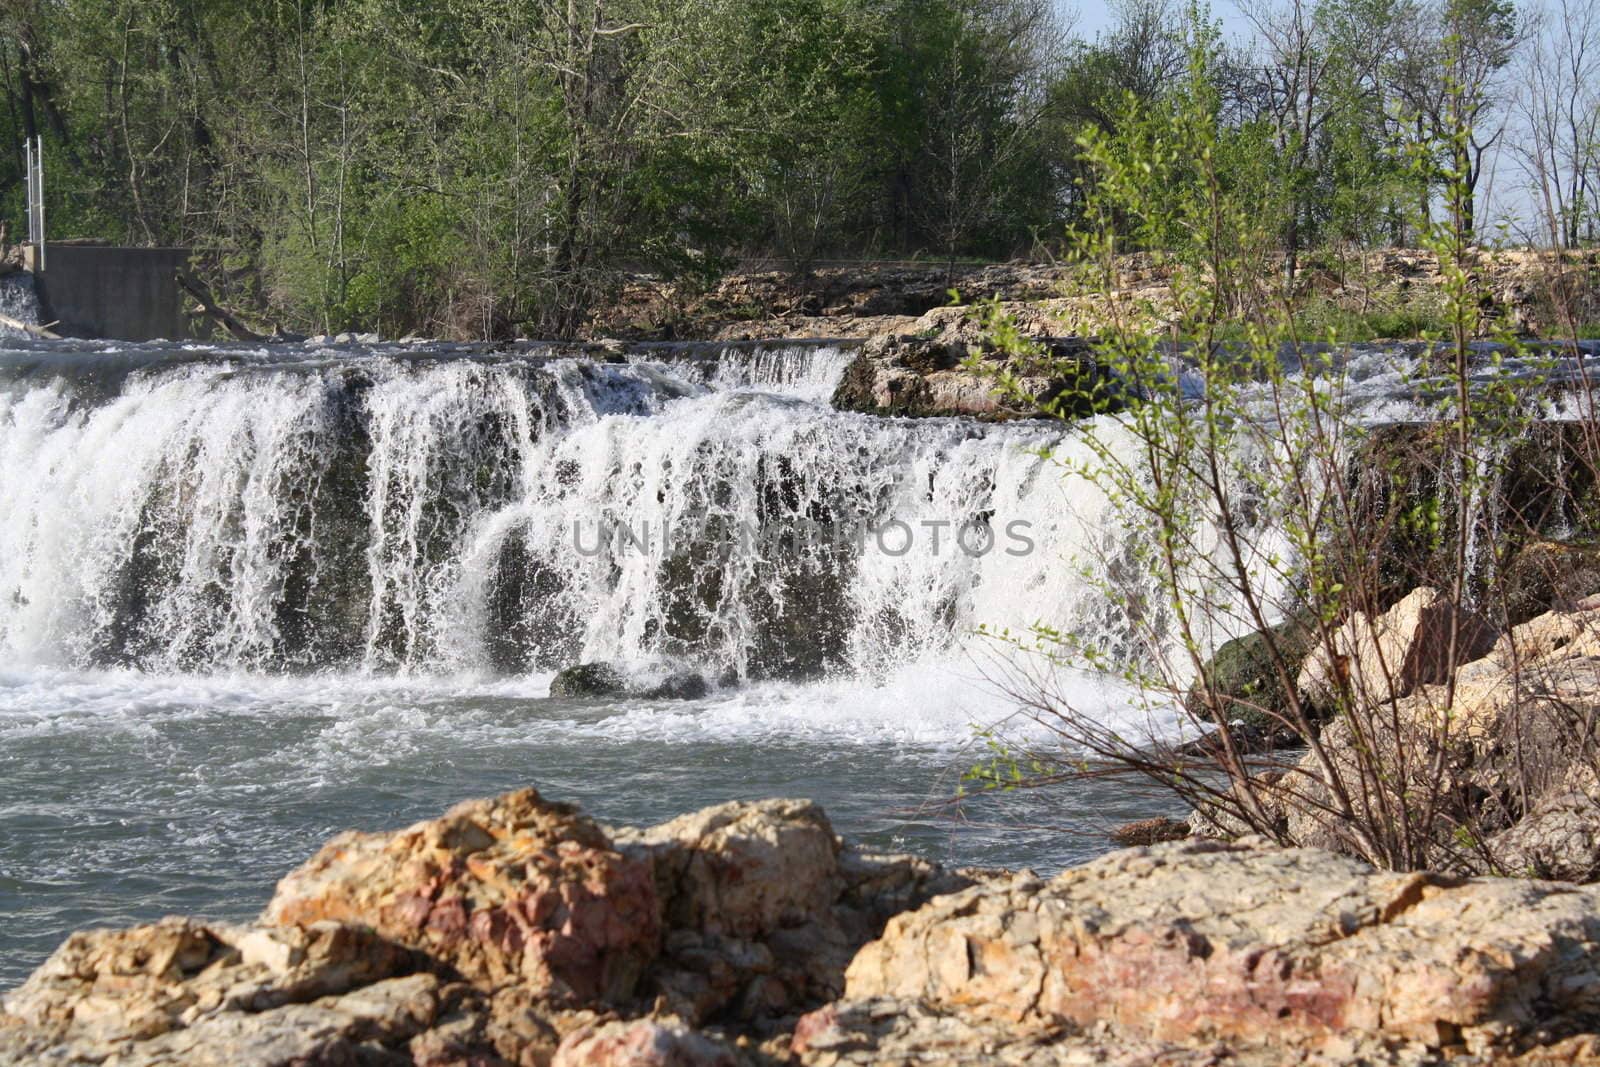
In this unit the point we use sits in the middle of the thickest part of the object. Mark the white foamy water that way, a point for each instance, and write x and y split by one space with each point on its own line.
437 516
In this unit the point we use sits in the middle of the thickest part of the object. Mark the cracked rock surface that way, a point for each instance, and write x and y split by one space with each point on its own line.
515 931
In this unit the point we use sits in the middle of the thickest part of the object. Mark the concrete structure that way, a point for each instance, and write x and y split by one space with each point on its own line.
124 294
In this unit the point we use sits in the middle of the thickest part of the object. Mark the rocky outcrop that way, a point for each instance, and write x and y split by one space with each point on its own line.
514 931
1378 659
508 930
1489 768
1243 945
867 299
945 365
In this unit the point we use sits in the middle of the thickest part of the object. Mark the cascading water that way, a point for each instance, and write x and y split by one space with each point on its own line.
507 514
19 301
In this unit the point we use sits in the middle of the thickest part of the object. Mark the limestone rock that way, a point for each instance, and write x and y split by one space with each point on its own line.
642 1043
886 1032
180 992
1389 656
743 869
764 907
925 372
1252 945
1498 744
509 889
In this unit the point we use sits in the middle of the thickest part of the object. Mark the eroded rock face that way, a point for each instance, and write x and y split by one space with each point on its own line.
1251 945
184 992
509 889
924 372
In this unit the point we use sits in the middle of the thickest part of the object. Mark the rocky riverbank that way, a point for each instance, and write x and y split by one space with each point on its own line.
519 931
920 323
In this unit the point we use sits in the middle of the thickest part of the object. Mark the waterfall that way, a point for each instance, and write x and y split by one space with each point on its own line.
384 511
19 301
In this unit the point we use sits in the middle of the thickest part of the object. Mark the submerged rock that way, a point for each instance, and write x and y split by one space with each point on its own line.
605 680
680 685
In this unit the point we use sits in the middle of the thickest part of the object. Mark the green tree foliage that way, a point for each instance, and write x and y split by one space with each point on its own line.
493 167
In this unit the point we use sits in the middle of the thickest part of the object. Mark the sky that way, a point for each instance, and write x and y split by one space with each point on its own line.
1503 193
1092 18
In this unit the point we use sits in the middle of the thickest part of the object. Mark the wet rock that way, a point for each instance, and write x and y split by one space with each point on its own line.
1248 689
509 889
1388 657
680 685
1251 945
588 680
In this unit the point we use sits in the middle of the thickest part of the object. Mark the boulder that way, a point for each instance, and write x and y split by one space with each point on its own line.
509 889
680 685
1389 656
947 366
765 907
1248 689
1248 945
1549 576
588 680
1510 738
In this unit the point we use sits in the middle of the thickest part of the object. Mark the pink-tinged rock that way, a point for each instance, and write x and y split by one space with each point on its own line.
1253 945
508 889
641 1043
744 869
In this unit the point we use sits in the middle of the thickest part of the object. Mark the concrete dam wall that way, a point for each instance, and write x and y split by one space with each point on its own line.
124 294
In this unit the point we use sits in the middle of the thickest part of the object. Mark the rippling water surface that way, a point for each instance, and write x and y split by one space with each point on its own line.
124 798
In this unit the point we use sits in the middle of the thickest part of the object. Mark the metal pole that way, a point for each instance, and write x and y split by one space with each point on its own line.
38 155
27 147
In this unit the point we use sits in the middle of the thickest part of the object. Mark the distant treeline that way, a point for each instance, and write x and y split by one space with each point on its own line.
483 167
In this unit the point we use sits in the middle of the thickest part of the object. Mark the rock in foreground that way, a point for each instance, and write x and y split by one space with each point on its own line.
517 931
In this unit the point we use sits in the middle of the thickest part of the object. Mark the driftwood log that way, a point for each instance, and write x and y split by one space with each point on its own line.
29 328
